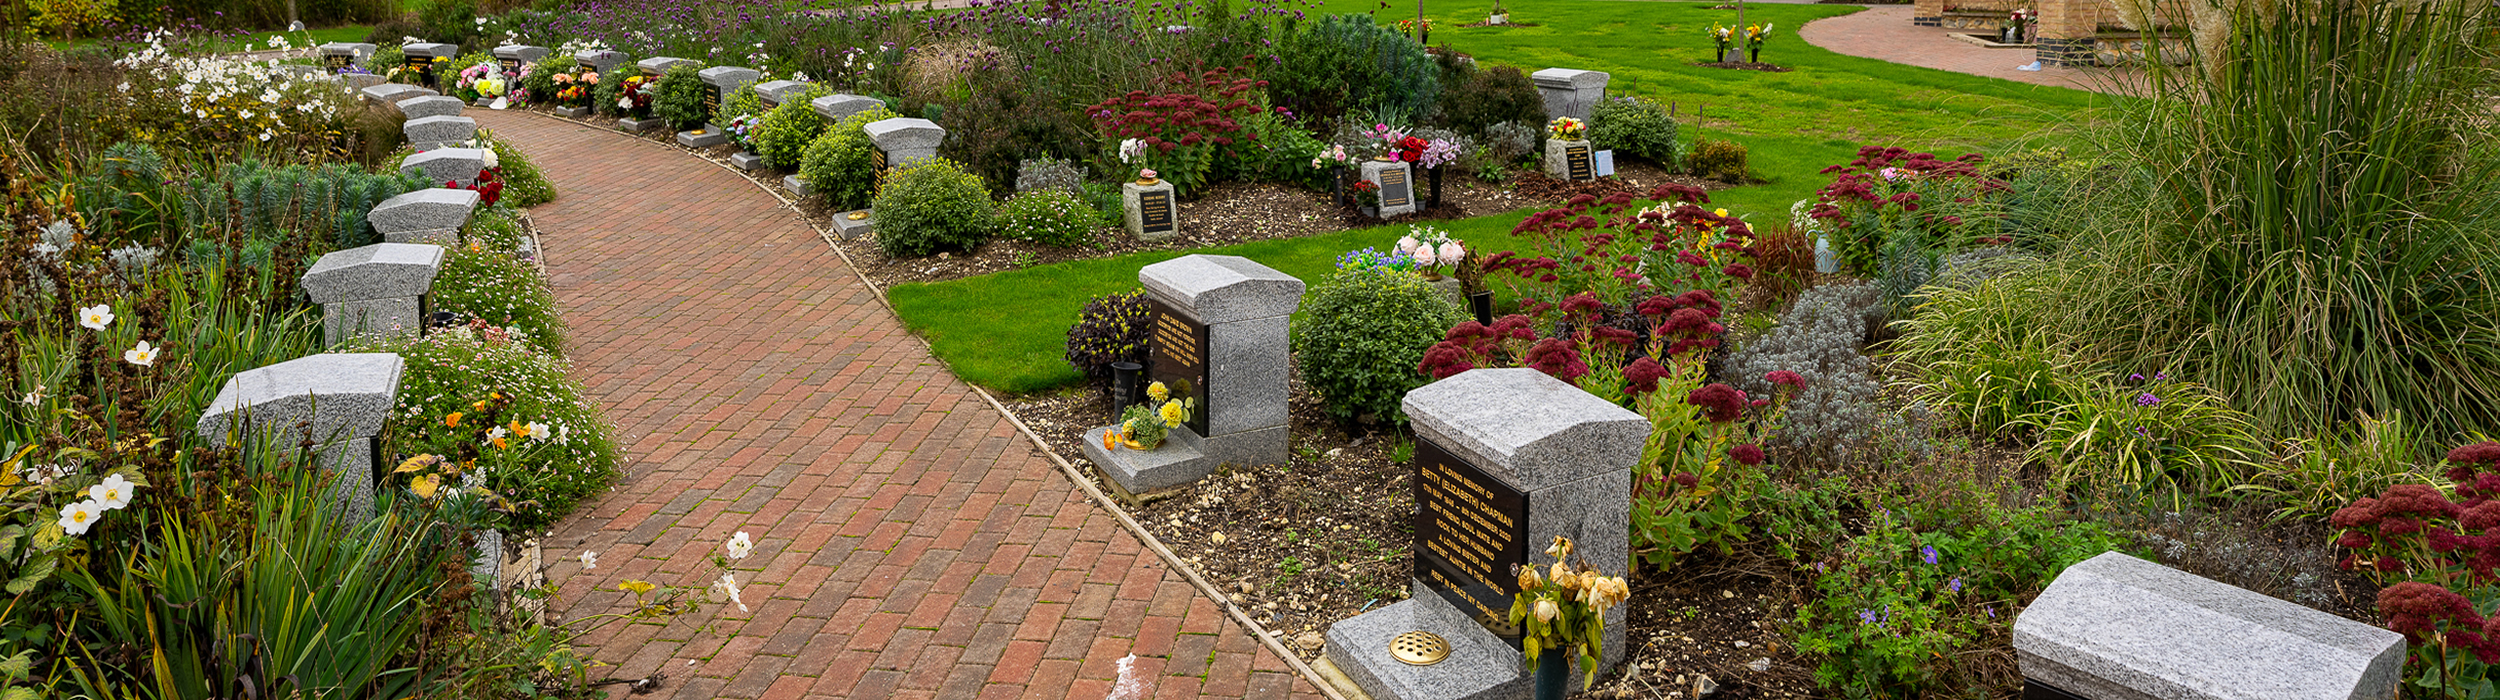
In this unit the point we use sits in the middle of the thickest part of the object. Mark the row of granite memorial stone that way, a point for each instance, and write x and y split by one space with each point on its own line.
1508 459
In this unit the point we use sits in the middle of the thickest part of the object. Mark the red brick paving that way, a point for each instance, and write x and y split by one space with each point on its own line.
910 543
1884 33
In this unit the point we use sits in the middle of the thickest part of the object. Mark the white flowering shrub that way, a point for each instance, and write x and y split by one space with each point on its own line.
223 105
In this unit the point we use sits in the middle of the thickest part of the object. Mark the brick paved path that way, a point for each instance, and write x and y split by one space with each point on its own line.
909 542
1884 33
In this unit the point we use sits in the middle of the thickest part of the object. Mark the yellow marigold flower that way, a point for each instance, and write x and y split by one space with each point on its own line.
452 421
1173 414
1158 392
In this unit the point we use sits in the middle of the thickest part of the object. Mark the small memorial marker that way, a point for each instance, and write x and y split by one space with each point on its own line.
1148 210
1396 181
1220 336
1606 163
1155 210
1581 165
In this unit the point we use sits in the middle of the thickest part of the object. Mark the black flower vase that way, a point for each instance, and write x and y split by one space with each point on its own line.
1123 386
1436 187
1753 55
1553 674
1482 304
1336 184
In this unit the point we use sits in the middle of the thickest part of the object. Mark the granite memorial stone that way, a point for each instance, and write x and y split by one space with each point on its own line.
1220 322
421 59
1570 160
1397 186
337 402
373 290
394 93
430 106
429 133
459 165
510 57
1570 93
718 83
2117 627
774 92
599 61
1150 211
906 139
432 215
854 225
836 107
657 66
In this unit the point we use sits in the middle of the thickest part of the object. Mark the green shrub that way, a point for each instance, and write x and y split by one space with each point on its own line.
1050 217
1474 99
741 101
1112 328
1636 127
1281 153
680 97
603 96
932 205
450 22
541 82
451 371
1723 161
1346 63
387 57
1361 335
788 128
487 285
498 228
841 162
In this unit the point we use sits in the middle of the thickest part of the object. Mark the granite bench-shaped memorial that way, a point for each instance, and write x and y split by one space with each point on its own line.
336 402
1505 461
1570 93
432 215
430 106
429 133
718 83
341 56
460 165
1219 337
373 290
2115 627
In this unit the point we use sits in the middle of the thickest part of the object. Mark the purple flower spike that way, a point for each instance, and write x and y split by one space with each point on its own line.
2147 399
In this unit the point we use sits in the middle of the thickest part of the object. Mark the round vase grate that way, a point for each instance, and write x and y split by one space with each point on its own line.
1419 648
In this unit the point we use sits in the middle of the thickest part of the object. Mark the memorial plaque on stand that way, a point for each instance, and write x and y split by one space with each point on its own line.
1469 529
711 103
1395 191
1155 211
511 66
423 66
1177 356
1583 166
338 62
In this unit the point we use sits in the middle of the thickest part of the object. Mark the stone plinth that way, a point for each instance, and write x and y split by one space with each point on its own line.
430 106
373 290
434 75
706 137
775 92
1570 93
433 215
338 56
854 228
429 133
631 124
2116 626
657 66
441 165
906 139
521 52
336 402
796 186
1396 180
1570 160
394 93
1480 667
1151 212
1246 361
837 106
746 161
599 61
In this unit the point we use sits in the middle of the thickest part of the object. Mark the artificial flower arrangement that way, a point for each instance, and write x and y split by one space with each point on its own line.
740 129
1373 259
1431 248
1396 145
1754 37
1144 426
1331 156
1564 608
1722 36
2018 21
573 89
634 96
1568 129
468 88
1408 26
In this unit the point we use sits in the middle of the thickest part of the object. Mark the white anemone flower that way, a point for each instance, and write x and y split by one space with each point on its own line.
77 517
725 590
96 317
740 546
113 493
143 355
590 560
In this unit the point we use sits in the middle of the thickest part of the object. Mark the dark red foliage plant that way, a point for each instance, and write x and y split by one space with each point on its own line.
2443 551
1178 132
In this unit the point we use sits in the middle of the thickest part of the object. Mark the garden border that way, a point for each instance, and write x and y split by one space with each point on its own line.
1093 492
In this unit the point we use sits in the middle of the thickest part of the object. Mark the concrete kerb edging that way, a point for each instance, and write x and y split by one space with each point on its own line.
1074 475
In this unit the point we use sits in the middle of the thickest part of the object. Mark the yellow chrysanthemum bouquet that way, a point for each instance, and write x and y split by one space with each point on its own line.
1144 426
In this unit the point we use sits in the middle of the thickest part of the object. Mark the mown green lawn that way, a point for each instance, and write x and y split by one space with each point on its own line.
1007 331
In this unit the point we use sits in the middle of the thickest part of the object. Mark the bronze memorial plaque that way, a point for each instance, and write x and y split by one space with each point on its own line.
1177 356
423 66
339 62
1582 165
511 66
1395 191
711 103
1154 210
1469 529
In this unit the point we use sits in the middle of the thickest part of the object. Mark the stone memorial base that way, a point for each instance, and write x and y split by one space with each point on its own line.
483 102
1451 289
1480 666
746 161
632 124
1559 156
572 112
1397 186
706 137
1184 457
854 229
796 186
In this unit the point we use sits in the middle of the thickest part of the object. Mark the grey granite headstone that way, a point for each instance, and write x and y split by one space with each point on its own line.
775 92
1245 309
658 65
429 133
1151 212
441 165
796 185
853 229
599 61
1397 186
729 78
336 402
430 106
2119 627
521 52
837 106
433 74
394 93
373 290
432 215
339 56
1570 93
906 139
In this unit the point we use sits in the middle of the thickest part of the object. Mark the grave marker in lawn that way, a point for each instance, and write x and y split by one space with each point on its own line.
339 57
420 58
336 402
1220 327
509 57
432 215
1149 210
1396 180
718 82
599 61
1570 160
2115 626
373 290
1505 461
1570 93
